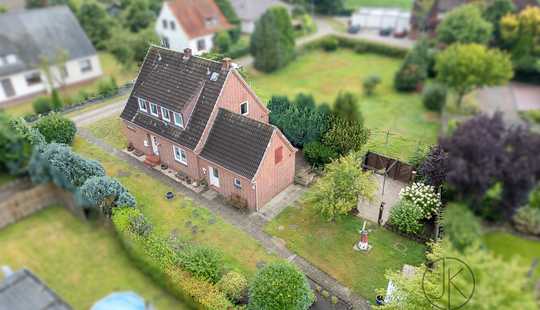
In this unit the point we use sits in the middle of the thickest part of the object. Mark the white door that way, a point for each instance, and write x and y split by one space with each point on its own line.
155 148
214 177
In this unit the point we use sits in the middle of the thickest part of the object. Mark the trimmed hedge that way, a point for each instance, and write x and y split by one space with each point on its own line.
360 46
155 257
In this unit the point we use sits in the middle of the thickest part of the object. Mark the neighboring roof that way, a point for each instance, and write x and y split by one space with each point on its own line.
37 33
250 10
194 16
237 143
22 290
170 80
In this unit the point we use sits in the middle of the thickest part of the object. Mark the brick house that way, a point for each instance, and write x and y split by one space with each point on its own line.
201 118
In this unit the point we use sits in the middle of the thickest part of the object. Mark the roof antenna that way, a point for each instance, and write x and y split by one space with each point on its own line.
159 56
207 70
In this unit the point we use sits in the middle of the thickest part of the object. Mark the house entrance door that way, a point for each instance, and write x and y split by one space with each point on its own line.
155 147
214 176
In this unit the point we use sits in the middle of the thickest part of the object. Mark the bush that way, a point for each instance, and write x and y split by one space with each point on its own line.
527 220
434 97
57 128
370 83
460 226
534 198
318 154
407 217
330 44
202 262
104 193
42 105
107 87
222 42
414 69
233 285
139 225
344 137
423 196
280 285
56 101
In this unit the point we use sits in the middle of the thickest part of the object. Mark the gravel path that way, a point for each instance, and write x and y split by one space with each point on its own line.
98 114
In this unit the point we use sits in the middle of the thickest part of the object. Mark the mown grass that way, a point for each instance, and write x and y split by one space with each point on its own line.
110 130
179 216
329 246
81 261
403 4
399 116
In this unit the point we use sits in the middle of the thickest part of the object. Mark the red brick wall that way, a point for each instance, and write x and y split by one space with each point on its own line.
136 135
236 91
273 178
226 183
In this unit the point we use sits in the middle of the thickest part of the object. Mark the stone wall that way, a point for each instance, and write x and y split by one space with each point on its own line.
24 202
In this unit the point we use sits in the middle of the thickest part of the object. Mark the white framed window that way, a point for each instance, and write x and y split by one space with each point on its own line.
237 183
164 24
179 155
142 105
154 109
178 119
85 65
165 114
11 59
244 108
33 78
172 25
201 44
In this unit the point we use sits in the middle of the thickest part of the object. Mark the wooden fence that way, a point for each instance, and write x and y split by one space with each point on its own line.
394 168
24 202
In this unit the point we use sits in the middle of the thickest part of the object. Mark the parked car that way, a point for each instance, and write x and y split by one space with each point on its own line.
385 32
354 29
401 34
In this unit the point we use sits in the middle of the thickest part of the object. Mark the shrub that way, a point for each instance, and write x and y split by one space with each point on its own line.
234 285
107 87
330 44
57 128
318 154
56 101
460 226
423 196
42 105
202 262
139 225
370 83
534 198
434 97
406 217
222 42
414 69
104 193
344 137
527 220
280 285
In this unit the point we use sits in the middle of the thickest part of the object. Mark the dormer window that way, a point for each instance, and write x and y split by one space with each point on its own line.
165 114
154 109
142 105
178 119
211 21
214 76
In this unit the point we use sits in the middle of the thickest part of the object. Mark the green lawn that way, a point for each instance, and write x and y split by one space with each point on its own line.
82 262
241 251
404 4
110 68
325 74
329 246
110 130
508 246
5 178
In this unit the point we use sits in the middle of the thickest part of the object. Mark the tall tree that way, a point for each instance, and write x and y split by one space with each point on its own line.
494 12
96 23
465 67
272 42
337 192
346 107
138 15
521 34
328 7
464 24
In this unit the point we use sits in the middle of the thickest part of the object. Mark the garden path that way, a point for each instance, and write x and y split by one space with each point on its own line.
370 209
252 224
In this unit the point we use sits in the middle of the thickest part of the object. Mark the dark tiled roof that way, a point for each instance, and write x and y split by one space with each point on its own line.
170 81
22 290
193 16
237 143
37 33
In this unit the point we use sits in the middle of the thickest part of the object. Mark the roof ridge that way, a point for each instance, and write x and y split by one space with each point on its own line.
245 117
153 45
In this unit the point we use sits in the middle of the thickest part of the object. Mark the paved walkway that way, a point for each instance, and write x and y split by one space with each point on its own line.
500 98
370 210
252 224
93 116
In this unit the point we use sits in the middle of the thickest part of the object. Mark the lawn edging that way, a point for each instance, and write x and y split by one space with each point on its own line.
358 45
156 259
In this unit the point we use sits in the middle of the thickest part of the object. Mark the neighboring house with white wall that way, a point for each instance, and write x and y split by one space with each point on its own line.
249 11
190 24
32 38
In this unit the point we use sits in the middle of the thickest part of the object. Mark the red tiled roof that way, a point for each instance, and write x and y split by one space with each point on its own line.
199 17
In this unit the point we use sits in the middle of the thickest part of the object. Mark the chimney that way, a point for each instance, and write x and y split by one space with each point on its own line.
187 53
226 63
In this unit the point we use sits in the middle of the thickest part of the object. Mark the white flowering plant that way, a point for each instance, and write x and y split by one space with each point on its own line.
423 196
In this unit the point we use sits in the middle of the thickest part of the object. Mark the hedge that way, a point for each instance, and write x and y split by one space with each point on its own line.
360 46
156 258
